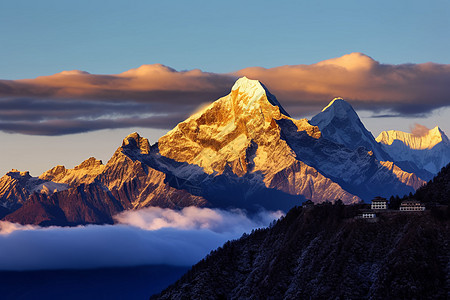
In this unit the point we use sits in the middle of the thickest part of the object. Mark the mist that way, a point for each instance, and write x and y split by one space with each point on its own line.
151 236
419 130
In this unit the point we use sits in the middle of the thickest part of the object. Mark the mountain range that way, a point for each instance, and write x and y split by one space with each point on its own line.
243 150
428 152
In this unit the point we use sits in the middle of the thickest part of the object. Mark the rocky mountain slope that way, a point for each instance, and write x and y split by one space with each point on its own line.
243 150
429 151
16 187
324 253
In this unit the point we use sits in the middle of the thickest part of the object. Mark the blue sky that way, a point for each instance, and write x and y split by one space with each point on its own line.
40 38
105 37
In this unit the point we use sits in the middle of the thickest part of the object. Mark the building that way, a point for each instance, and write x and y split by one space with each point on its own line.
379 203
368 215
411 205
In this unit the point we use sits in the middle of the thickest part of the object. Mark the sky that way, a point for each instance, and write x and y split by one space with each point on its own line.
146 65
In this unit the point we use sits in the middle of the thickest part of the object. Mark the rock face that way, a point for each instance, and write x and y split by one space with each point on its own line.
243 150
429 151
324 253
83 173
16 187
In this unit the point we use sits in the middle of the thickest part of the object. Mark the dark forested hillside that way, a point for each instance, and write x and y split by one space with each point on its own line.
436 190
323 253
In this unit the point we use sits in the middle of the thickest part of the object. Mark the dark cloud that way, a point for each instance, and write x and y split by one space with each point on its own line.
58 117
386 116
152 236
158 96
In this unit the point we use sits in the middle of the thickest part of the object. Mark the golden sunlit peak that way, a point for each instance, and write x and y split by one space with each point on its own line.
247 84
332 102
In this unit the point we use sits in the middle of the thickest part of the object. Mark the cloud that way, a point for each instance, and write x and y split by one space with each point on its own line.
154 218
153 96
407 89
159 97
144 237
419 130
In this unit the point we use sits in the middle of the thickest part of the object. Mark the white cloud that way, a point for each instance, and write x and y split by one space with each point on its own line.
144 237
194 218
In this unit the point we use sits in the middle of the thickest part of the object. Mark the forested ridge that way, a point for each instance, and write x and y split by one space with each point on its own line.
324 252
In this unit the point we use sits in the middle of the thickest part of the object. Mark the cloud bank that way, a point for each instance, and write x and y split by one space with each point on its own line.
150 236
157 96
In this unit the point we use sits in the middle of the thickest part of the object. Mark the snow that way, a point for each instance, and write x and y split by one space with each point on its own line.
430 151
427 141
50 187
255 91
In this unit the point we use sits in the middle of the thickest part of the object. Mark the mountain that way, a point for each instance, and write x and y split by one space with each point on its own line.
243 150
429 150
101 191
338 122
241 135
324 253
248 133
16 187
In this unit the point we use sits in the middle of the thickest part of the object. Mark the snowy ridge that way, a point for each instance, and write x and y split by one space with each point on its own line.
427 141
430 151
85 172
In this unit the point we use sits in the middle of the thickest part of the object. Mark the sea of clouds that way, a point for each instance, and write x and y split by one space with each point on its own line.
150 236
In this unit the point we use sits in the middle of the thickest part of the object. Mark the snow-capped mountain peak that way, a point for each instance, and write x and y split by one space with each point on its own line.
339 105
222 132
337 109
339 123
255 91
